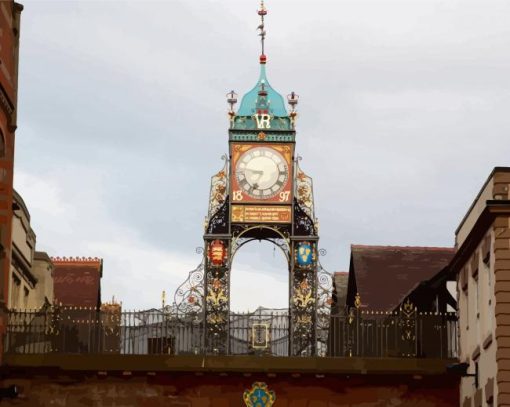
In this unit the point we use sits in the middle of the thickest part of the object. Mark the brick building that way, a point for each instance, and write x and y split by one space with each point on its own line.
482 267
82 361
77 281
10 13
31 272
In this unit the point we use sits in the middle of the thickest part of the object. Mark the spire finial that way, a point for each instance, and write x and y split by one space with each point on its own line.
262 12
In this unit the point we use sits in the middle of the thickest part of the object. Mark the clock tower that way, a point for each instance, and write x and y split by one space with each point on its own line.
260 194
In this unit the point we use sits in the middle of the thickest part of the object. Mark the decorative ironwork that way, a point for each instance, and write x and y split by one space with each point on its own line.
357 301
219 189
303 223
282 243
217 309
259 396
189 296
304 191
110 318
100 331
262 332
260 336
407 324
303 295
218 223
323 308
303 302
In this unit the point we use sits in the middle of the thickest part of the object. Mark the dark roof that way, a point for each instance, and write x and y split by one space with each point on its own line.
384 275
340 279
77 281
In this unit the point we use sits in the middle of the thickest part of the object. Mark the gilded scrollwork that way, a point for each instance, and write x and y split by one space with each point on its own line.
52 320
216 296
219 189
303 223
188 297
303 302
303 295
407 321
304 192
324 281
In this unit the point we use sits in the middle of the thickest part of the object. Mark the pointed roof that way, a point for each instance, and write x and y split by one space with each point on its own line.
262 114
262 97
384 275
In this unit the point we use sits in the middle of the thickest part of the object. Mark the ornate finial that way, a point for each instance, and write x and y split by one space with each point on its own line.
231 100
292 100
262 12
262 91
357 300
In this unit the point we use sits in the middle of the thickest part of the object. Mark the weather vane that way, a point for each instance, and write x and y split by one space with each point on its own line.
262 12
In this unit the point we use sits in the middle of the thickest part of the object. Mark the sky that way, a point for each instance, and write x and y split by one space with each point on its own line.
404 111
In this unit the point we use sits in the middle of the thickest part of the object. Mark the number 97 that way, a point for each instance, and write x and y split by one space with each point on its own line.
284 196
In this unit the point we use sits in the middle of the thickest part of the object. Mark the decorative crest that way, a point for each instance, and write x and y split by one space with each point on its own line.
259 395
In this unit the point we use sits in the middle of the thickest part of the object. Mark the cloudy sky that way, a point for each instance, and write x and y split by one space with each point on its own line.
404 111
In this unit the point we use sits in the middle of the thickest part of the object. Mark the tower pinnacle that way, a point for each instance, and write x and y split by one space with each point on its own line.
262 12
262 104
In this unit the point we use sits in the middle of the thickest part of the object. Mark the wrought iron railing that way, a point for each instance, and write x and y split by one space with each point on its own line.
358 333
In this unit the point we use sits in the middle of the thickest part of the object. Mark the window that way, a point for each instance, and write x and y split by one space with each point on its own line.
15 291
488 274
477 283
26 292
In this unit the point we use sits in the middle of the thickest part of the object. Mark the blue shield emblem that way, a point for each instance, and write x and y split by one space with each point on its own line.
259 396
305 254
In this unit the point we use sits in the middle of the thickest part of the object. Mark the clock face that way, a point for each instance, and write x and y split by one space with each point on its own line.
262 172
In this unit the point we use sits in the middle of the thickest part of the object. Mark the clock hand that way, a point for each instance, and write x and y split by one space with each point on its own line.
257 174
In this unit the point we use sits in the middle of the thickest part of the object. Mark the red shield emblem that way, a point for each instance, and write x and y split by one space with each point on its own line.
217 253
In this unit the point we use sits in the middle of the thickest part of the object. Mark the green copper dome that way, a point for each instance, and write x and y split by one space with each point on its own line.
262 114
253 101
259 104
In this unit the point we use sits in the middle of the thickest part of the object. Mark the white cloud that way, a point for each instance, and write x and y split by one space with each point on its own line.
403 113
68 223
134 272
251 288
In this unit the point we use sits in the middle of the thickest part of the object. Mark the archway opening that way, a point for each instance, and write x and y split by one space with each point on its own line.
259 278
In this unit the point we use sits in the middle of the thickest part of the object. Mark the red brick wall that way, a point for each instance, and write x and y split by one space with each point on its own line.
9 51
187 389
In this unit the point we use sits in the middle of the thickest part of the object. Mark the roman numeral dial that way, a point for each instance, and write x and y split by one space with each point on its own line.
262 172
